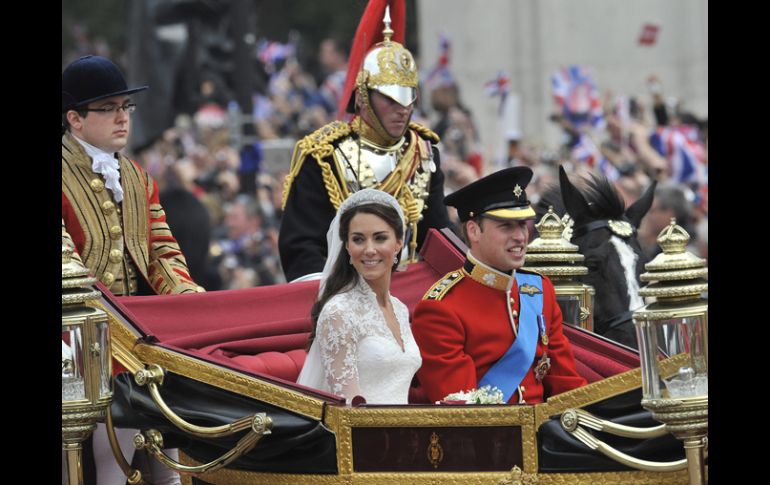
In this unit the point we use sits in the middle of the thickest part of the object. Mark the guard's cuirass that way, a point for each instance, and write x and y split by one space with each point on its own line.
403 170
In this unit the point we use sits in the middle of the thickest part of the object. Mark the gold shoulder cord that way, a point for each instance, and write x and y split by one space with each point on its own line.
319 146
425 132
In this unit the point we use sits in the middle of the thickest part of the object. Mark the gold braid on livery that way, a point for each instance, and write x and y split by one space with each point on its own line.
119 242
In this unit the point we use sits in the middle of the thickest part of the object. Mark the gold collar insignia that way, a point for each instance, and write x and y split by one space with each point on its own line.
486 275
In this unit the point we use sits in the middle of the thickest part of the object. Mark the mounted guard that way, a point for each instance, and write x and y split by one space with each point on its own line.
380 147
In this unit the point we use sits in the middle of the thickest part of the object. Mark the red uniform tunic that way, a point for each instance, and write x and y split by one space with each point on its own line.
462 328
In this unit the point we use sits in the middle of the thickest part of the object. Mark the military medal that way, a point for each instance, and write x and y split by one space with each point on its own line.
543 333
542 367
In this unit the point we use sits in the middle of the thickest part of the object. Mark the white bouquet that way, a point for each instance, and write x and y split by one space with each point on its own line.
482 395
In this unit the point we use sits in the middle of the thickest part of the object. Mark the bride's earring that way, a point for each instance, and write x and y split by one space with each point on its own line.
395 259
351 260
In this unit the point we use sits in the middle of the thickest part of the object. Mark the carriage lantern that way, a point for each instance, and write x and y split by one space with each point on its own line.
86 365
554 256
673 343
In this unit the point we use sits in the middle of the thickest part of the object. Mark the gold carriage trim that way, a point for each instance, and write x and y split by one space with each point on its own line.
240 477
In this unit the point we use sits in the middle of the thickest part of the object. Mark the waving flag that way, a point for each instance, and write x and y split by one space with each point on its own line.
440 75
649 34
576 94
498 86
607 169
685 154
269 52
585 151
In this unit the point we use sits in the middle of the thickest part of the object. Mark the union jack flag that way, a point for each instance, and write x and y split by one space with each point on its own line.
607 169
684 152
585 151
270 52
576 94
440 75
498 86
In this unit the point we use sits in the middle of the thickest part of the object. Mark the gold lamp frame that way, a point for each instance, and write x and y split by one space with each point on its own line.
678 317
87 370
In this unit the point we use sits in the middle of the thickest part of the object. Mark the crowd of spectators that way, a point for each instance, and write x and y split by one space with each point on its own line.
223 202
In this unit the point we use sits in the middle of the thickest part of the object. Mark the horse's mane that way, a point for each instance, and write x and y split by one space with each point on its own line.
550 196
603 199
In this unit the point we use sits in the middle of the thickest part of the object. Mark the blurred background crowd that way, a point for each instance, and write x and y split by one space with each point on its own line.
217 126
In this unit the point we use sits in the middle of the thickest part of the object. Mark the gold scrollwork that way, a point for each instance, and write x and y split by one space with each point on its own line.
392 72
584 313
519 477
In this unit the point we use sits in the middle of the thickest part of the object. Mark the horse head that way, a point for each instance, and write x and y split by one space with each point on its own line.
605 232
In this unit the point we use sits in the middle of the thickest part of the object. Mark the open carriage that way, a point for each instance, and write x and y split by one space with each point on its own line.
214 375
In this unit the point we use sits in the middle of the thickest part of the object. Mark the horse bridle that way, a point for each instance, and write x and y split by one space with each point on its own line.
620 228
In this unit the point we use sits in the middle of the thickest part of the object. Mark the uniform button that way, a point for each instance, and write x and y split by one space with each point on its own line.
108 278
97 185
515 313
116 232
108 207
115 256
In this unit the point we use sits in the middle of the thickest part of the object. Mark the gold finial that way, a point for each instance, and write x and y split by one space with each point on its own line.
551 254
66 254
550 226
675 273
75 280
387 32
673 238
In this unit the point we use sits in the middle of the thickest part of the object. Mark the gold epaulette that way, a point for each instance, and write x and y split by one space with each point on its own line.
323 137
424 132
318 145
442 286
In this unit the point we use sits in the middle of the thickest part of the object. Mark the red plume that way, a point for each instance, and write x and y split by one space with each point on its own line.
371 24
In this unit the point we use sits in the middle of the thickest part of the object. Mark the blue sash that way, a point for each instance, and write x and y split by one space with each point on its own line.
508 372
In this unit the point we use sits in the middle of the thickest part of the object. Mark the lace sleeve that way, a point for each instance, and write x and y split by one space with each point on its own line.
338 341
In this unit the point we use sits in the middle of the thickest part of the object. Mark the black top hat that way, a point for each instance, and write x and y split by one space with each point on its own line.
91 78
499 195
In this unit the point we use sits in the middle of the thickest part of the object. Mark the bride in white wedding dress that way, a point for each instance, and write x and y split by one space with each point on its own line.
362 344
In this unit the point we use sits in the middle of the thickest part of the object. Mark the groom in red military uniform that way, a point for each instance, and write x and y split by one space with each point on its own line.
489 322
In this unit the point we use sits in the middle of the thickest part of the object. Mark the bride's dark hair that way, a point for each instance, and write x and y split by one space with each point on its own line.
344 276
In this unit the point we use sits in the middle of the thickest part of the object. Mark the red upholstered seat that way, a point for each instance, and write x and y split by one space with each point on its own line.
597 357
263 331
284 365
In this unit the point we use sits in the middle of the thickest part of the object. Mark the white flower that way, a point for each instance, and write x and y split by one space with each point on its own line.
482 395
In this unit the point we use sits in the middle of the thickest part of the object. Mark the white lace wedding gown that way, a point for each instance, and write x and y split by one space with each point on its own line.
355 353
